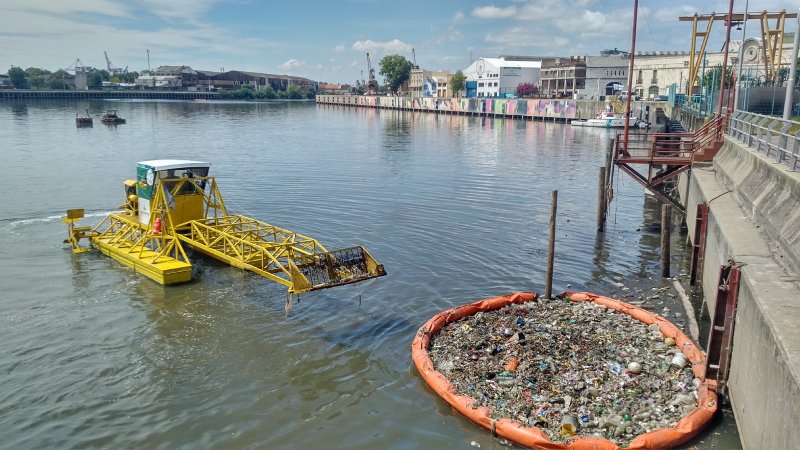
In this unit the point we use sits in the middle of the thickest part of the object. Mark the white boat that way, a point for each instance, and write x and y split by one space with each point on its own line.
608 120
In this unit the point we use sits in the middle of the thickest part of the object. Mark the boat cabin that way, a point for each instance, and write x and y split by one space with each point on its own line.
185 199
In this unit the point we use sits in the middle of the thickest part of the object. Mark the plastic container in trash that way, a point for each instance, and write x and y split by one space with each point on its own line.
569 426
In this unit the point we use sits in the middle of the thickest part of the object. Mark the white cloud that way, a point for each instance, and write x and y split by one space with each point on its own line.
187 11
493 12
60 7
589 23
35 34
670 15
291 64
523 37
393 46
339 48
458 16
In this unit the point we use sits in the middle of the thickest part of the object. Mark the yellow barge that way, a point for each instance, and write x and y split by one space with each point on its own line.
173 203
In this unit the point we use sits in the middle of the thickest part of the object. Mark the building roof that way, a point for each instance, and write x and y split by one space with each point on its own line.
173 70
502 62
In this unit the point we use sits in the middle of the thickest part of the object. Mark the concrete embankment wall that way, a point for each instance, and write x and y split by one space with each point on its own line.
25 94
562 110
754 218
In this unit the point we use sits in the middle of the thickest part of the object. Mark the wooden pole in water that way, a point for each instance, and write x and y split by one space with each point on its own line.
551 248
601 200
609 172
666 219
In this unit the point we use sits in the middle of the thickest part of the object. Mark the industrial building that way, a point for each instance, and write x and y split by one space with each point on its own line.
499 77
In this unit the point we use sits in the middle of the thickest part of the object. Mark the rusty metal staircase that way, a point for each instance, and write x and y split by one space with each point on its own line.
667 155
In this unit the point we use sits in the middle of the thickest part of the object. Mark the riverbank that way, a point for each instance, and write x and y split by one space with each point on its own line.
556 110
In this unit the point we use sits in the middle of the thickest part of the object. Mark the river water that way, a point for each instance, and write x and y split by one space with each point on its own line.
456 208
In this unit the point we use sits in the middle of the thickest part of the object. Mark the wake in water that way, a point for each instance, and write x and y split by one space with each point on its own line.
16 222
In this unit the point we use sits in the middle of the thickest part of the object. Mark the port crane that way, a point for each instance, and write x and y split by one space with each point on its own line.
174 204
372 83
76 67
112 69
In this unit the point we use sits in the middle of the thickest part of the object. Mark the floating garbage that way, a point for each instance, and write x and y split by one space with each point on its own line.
581 371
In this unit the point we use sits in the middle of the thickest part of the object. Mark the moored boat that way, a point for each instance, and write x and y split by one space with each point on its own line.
111 117
83 121
607 120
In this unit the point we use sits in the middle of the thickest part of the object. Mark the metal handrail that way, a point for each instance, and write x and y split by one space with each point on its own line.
775 137
672 145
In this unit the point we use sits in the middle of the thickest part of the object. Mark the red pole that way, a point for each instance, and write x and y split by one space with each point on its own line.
725 56
630 75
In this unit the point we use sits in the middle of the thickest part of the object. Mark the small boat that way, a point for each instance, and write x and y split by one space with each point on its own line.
111 117
608 119
83 121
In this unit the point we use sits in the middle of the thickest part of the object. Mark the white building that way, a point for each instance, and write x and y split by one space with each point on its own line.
499 77
605 75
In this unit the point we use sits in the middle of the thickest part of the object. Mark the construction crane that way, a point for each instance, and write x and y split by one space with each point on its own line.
112 69
76 67
372 83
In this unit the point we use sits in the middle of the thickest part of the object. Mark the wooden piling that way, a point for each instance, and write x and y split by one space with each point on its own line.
551 247
609 191
666 220
601 200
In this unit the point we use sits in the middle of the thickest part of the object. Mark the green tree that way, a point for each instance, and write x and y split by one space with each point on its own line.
458 83
712 76
396 69
95 79
57 83
36 81
58 80
293 92
36 72
17 77
130 77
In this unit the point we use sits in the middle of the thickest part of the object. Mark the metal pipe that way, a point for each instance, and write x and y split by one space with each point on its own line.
725 56
630 75
741 57
787 104
666 223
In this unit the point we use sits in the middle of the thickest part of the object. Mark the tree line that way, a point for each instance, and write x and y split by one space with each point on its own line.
36 78
246 92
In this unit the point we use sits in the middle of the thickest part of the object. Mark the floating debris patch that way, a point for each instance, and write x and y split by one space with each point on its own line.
573 369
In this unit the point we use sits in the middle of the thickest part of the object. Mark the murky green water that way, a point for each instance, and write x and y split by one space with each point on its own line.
96 356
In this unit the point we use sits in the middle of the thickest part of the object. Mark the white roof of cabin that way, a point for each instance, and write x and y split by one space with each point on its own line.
167 164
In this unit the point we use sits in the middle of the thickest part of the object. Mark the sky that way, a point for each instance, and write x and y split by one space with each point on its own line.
328 40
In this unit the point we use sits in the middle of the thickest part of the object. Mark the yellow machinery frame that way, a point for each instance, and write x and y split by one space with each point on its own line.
771 40
296 261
